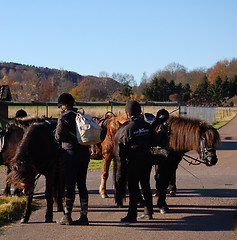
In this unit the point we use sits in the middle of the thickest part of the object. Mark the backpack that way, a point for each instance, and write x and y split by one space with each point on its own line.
87 130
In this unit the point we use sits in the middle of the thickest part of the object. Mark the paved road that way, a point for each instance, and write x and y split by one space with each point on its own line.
203 209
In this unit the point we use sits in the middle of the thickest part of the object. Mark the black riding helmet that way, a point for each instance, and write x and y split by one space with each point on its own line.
21 113
66 99
162 114
133 108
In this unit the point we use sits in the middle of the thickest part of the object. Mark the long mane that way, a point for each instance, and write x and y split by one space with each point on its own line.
36 149
185 134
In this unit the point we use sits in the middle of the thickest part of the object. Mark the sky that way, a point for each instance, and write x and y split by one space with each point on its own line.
123 36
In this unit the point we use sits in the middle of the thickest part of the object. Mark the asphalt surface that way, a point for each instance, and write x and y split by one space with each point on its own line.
204 207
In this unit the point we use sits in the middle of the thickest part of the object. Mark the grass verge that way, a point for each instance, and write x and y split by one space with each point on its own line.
219 124
97 164
11 209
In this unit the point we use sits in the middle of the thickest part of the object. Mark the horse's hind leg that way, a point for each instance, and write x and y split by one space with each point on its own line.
7 190
105 175
27 213
49 199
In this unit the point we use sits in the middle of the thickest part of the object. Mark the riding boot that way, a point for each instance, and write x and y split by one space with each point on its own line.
83 220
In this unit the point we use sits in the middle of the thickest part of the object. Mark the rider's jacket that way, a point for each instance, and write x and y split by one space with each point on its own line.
66 130
136 139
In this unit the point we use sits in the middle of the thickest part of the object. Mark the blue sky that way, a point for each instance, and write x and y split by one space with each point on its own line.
125 36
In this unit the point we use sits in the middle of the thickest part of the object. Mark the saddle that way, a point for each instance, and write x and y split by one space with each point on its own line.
103 122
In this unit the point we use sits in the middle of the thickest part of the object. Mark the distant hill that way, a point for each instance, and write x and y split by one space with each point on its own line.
28 82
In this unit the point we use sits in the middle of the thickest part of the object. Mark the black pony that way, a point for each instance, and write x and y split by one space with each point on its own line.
37 154
184 135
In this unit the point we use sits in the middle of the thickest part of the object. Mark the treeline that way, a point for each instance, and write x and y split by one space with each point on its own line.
213 86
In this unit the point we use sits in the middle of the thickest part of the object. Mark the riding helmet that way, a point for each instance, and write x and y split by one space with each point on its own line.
66 99
21 113
162 114
133 108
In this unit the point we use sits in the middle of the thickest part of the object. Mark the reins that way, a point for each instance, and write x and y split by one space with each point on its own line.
196 160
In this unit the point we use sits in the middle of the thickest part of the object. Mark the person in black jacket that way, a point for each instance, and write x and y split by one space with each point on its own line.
76 160
134 141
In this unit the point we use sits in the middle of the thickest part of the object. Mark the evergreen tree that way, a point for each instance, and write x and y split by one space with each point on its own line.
216 91
202 90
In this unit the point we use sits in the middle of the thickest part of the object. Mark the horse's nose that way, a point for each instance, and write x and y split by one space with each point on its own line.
214 160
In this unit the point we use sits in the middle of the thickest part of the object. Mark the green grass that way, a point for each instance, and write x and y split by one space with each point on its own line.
11 209
97 164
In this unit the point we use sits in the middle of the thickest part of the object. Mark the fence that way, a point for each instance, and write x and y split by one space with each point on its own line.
208 114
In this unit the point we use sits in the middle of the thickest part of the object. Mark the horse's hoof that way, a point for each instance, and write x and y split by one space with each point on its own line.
172 193
164 210
48 220
120 205
104 195
24 220
60 209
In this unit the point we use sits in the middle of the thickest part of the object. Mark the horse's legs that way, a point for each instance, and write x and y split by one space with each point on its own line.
7 190
27 213
49 199
105 175
162 182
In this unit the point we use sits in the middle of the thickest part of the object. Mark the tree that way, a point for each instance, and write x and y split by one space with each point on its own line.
202 90
186 95
157 90
216 91
219 70
126 90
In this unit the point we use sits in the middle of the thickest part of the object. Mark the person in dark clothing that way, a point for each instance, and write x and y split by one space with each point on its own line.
134 141
21 113
76 160
162 163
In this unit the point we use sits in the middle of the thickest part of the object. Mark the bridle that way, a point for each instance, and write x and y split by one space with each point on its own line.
204 154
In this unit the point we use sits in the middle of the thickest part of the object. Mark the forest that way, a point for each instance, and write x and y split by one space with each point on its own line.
214 86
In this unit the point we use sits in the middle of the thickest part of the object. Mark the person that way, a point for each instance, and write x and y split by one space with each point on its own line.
162 162
159 123
76 161
21 114
134 146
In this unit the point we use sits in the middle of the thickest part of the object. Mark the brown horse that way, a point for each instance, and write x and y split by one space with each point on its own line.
105 150
184 135
37 154
11 137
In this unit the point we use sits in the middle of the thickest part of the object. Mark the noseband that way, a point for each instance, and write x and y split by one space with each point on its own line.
204 153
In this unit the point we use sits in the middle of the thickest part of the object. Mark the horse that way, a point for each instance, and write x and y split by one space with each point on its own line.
105 149
184 135
37 154
11 138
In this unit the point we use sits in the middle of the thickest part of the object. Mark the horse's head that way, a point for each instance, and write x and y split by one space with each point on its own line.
23 176
207 151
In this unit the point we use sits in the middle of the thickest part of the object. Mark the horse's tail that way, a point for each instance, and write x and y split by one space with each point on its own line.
120 176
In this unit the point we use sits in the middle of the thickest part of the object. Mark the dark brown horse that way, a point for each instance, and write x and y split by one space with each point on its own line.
11 138
105 150
37 154
184 135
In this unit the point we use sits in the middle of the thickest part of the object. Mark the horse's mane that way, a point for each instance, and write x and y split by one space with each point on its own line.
185 134
22 156
27 121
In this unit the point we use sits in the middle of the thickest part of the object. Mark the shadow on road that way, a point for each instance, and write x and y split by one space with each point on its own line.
227 146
